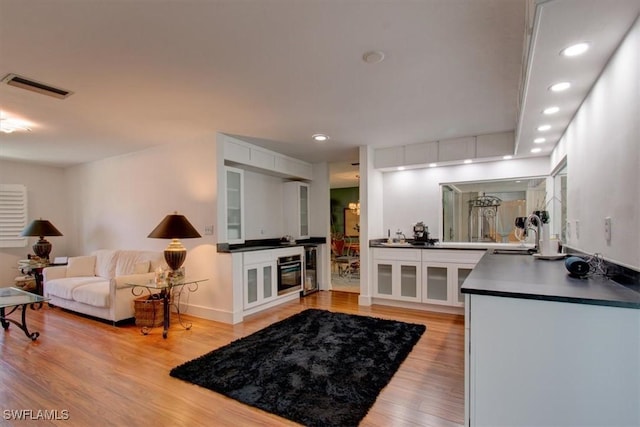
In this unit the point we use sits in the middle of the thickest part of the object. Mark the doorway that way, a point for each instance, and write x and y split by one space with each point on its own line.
345 227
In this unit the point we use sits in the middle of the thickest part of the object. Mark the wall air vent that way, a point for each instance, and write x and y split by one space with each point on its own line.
32 85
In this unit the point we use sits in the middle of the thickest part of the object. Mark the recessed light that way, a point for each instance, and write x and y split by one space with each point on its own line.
559 87
507 157
536 150
319 137
400 168
10 125
373 57
466 162
544 128
539 140
575 50
551 110
433 165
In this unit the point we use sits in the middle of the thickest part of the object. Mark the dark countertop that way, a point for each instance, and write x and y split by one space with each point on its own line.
267 244
523 276
458 246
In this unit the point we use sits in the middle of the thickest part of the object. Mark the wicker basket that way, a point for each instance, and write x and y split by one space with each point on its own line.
148 312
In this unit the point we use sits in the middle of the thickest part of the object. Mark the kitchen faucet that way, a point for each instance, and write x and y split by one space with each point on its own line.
534 220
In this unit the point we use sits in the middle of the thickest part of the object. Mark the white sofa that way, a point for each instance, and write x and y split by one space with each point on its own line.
97 284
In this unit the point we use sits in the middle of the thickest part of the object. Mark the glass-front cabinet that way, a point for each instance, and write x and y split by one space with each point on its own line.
397 274
260 284
442 282
296 209
427 276
234 198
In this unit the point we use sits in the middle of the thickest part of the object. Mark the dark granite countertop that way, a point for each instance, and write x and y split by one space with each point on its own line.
459 246
267 244
523 276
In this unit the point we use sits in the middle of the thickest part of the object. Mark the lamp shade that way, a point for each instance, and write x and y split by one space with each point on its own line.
174 226
41 227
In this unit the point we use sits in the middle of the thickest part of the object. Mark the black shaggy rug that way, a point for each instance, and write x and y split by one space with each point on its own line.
316 368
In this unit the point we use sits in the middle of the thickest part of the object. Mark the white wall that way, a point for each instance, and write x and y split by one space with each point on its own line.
414 195
603 153
371 207
263 201
116 202
47 199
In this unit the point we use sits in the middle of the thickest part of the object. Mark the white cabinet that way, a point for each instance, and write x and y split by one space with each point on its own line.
443 272
257 279
238 152
432 276
548 363
397 274
296 209
260 283
441 282
234 205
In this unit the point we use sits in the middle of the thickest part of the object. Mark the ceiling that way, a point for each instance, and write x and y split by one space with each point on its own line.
275 72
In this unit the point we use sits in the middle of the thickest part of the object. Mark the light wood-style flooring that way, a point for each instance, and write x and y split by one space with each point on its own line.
115 376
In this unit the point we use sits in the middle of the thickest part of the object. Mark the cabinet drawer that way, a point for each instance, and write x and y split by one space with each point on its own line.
454 256
397 254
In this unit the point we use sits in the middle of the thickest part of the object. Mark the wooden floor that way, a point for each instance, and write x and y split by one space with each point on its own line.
104 375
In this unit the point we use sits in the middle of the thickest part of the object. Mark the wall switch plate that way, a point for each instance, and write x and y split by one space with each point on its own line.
577 229
208 230
607 229
568 229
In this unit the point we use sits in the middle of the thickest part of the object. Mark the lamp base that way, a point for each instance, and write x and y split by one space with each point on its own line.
175 258
42 248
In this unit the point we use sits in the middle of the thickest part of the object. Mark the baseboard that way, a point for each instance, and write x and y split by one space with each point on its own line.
419 306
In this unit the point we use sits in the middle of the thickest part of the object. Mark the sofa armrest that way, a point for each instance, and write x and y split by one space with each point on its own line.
51 273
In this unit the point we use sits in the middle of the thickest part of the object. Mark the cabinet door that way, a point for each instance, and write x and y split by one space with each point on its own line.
399 280
436 289
296 209
259 284
462 271
303 197
234 179
409 286
383 278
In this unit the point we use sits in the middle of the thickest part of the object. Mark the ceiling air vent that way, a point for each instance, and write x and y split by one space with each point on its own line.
28 84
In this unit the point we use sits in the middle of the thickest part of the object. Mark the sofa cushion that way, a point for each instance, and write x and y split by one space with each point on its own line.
141 267
105 263
63 288
96 294
128 261
81 266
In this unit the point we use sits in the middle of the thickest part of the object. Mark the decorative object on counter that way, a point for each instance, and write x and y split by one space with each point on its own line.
41 228
174 227
420 232
483 218
577 266
287 240
316 368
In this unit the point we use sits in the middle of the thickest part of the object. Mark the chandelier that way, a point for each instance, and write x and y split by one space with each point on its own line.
355 207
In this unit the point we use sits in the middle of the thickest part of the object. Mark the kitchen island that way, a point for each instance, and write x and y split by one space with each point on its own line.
547 349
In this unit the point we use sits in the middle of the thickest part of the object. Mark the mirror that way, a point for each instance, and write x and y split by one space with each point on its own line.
485 211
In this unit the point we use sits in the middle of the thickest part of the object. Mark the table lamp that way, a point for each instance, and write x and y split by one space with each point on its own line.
41 228
174 227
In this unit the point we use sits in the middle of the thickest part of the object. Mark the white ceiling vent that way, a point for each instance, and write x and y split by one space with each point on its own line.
34 86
